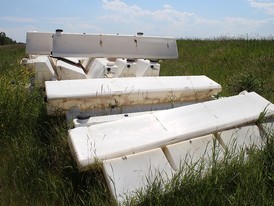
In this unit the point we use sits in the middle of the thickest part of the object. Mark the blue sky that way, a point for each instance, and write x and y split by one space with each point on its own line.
177 18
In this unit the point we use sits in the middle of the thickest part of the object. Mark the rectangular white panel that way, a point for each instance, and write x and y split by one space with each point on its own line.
241 138
149 131
198 151
68 71
113 46
39 43
125 175
118 92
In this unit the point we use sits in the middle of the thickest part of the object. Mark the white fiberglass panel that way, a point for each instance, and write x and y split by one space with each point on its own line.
101 93
68 71
149 131
43 69
125 175
39 43
114 46
241 138
198 151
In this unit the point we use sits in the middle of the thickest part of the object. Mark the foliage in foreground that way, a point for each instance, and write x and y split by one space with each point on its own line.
37 167
36 164
235 180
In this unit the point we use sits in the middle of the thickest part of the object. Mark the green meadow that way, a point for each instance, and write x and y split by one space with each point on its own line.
37 167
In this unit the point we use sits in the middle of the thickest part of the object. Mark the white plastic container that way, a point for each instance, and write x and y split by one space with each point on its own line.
68 71
126 67
43 67
127 174
162 128
147 68
194 152
101 68
242 138
117 93
113 46
39 43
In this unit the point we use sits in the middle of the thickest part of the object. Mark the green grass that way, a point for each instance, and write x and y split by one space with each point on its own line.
37 167
235 64
234 181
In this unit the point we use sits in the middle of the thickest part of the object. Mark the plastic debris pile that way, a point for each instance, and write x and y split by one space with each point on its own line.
139 125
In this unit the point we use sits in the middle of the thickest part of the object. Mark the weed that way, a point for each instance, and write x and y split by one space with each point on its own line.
246 80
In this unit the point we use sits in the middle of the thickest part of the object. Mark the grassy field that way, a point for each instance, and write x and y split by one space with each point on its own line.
37 167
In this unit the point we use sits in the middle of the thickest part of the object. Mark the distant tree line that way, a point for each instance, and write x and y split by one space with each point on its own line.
4 40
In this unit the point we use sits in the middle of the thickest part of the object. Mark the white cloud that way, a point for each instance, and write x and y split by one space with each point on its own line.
167 13
117 18
121 7
168 21
248 26
267 6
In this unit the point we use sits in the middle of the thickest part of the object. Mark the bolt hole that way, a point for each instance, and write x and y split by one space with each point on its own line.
83 116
